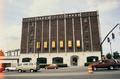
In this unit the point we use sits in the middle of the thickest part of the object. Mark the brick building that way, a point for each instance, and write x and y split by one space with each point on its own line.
62 38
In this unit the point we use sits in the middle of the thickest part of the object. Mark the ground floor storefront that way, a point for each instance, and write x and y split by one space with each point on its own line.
10 61
69 58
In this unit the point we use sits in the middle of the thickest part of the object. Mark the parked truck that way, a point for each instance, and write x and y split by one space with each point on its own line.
23 67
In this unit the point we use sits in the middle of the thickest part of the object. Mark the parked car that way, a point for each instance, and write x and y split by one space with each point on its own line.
52 66
109 64
117 62
10 68
23 67
2 68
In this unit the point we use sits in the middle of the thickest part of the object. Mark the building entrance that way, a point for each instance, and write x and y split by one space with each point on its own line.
74 60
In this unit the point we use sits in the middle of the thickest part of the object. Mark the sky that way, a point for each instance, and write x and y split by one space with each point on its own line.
12 12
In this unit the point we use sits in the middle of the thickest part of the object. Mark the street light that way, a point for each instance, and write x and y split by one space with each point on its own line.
106 37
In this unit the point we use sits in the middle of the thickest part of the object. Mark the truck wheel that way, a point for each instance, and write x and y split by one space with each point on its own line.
111 67
31 70
19 70
36 70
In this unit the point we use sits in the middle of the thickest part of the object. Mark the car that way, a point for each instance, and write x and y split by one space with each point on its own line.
10 68
117 62
52 66
23 67
109 64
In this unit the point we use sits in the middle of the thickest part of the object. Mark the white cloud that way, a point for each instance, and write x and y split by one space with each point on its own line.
47 7
103 5
10 37
41 7
25 8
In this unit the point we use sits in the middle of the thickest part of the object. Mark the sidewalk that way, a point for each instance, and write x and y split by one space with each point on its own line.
66 69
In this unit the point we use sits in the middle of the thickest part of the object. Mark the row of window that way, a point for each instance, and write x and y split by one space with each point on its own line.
61 43
57 60
33 23
12 53
53 16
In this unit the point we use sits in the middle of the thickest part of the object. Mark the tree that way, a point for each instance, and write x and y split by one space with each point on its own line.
116 55
109 56
1 53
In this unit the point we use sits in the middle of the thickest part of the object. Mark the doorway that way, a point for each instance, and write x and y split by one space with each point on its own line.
74 60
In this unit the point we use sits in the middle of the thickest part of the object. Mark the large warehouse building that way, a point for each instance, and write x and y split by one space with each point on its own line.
63 38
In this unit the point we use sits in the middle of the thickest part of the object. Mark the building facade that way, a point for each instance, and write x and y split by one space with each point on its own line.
67 37
10 58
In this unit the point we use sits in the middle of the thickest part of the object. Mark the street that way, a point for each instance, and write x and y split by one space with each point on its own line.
65 73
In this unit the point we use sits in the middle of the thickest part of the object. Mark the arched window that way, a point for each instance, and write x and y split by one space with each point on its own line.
74 60
92 58
26 59
57 60
42 60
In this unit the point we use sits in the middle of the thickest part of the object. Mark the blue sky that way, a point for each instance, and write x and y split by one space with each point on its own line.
12 12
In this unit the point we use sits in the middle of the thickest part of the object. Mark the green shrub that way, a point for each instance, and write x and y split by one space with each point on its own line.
59 65
43 65
116 55
109 56
62 65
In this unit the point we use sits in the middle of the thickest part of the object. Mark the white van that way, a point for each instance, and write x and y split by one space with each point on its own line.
27 67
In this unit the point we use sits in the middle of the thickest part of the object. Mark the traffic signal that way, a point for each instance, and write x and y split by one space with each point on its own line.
113 36
108 39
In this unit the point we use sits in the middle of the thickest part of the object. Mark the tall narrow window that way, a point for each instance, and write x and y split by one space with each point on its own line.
53 44
78 43
69 43
61 44
45 44
38 45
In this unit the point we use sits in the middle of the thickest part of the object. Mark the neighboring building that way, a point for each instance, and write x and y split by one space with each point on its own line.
11 58
64 38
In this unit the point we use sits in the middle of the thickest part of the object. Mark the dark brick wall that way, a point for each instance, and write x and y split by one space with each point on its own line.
54 34
24 37
86 34
31 38
46 35
39 35
69 34
88 20
95 33
61 34
77 28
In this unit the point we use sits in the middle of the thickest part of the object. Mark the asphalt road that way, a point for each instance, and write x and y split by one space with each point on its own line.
67 73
